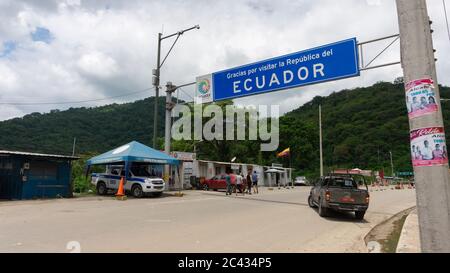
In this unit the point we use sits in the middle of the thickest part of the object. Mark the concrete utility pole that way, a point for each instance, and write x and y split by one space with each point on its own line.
156 79
320 137
170 88
74 145
432 183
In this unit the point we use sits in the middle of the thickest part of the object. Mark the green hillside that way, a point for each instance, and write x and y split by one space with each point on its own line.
97 129
361 126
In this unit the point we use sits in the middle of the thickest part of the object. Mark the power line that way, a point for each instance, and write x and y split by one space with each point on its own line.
74 102
446 19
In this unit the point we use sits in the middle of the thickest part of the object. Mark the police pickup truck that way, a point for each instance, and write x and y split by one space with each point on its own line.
140 182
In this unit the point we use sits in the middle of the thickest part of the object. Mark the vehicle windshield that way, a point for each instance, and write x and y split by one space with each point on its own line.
342 183
140 171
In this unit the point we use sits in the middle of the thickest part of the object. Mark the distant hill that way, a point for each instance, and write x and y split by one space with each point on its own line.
97 129
360 127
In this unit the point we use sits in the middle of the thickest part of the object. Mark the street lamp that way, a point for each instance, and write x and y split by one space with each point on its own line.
157 73
392 164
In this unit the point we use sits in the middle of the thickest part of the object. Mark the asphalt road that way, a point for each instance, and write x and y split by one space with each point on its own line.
273 221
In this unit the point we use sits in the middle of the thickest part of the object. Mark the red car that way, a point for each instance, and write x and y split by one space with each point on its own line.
218 182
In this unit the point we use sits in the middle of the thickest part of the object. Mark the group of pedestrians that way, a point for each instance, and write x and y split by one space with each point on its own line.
239 184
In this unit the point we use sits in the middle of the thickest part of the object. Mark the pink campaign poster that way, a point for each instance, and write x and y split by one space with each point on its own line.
428 147
420 98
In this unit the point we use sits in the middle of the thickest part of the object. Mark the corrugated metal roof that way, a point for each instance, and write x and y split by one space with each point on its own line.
38 155
241 164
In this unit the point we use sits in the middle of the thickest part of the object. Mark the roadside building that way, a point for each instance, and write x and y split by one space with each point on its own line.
31 175
187 170
357 171
267 175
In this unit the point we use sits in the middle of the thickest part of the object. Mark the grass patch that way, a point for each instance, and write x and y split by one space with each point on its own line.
84 194
389 245
387 234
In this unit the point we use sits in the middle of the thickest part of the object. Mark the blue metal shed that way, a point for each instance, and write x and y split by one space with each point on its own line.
31 175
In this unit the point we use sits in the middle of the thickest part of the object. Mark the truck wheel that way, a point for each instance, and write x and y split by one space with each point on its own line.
359 215
101 188
310 202
205 187
137 192
323 211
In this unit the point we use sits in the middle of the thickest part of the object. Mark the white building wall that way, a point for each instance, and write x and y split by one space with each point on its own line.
260 172
202 169
208 170
244 169
211 170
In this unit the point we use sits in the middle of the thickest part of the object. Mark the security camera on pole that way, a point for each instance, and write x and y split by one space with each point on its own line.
428 146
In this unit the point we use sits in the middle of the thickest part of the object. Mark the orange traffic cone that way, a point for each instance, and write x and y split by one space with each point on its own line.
120 195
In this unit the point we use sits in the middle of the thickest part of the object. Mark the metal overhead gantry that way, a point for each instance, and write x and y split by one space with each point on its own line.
363 66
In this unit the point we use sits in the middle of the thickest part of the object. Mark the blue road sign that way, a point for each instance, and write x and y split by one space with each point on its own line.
326 63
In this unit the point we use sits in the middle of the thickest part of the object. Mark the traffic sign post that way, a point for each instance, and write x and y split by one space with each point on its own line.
325 63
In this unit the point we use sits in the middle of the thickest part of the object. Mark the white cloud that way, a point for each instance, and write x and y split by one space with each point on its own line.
8 79
99 65
73 2
108 47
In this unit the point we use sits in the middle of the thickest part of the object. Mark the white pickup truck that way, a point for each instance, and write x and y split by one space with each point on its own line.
140 182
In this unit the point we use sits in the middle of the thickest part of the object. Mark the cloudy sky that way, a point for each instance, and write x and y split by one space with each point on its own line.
76 50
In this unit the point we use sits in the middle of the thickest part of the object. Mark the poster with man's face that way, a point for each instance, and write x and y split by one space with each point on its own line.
428 147
421 98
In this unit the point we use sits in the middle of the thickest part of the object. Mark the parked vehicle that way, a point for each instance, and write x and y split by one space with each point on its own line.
300 181
218 182
339 193
139 183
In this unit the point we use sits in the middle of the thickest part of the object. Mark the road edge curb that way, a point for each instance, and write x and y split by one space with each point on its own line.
409 241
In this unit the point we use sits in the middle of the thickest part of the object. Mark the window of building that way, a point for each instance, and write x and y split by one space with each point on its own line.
43 170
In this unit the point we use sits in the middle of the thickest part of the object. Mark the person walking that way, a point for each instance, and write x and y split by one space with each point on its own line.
249 183
233 177
244 184
255 182
239 182
228 181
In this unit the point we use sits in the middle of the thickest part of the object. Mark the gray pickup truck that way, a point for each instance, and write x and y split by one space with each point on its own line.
340 193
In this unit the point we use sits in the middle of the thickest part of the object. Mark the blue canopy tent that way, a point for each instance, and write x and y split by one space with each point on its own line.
132 152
